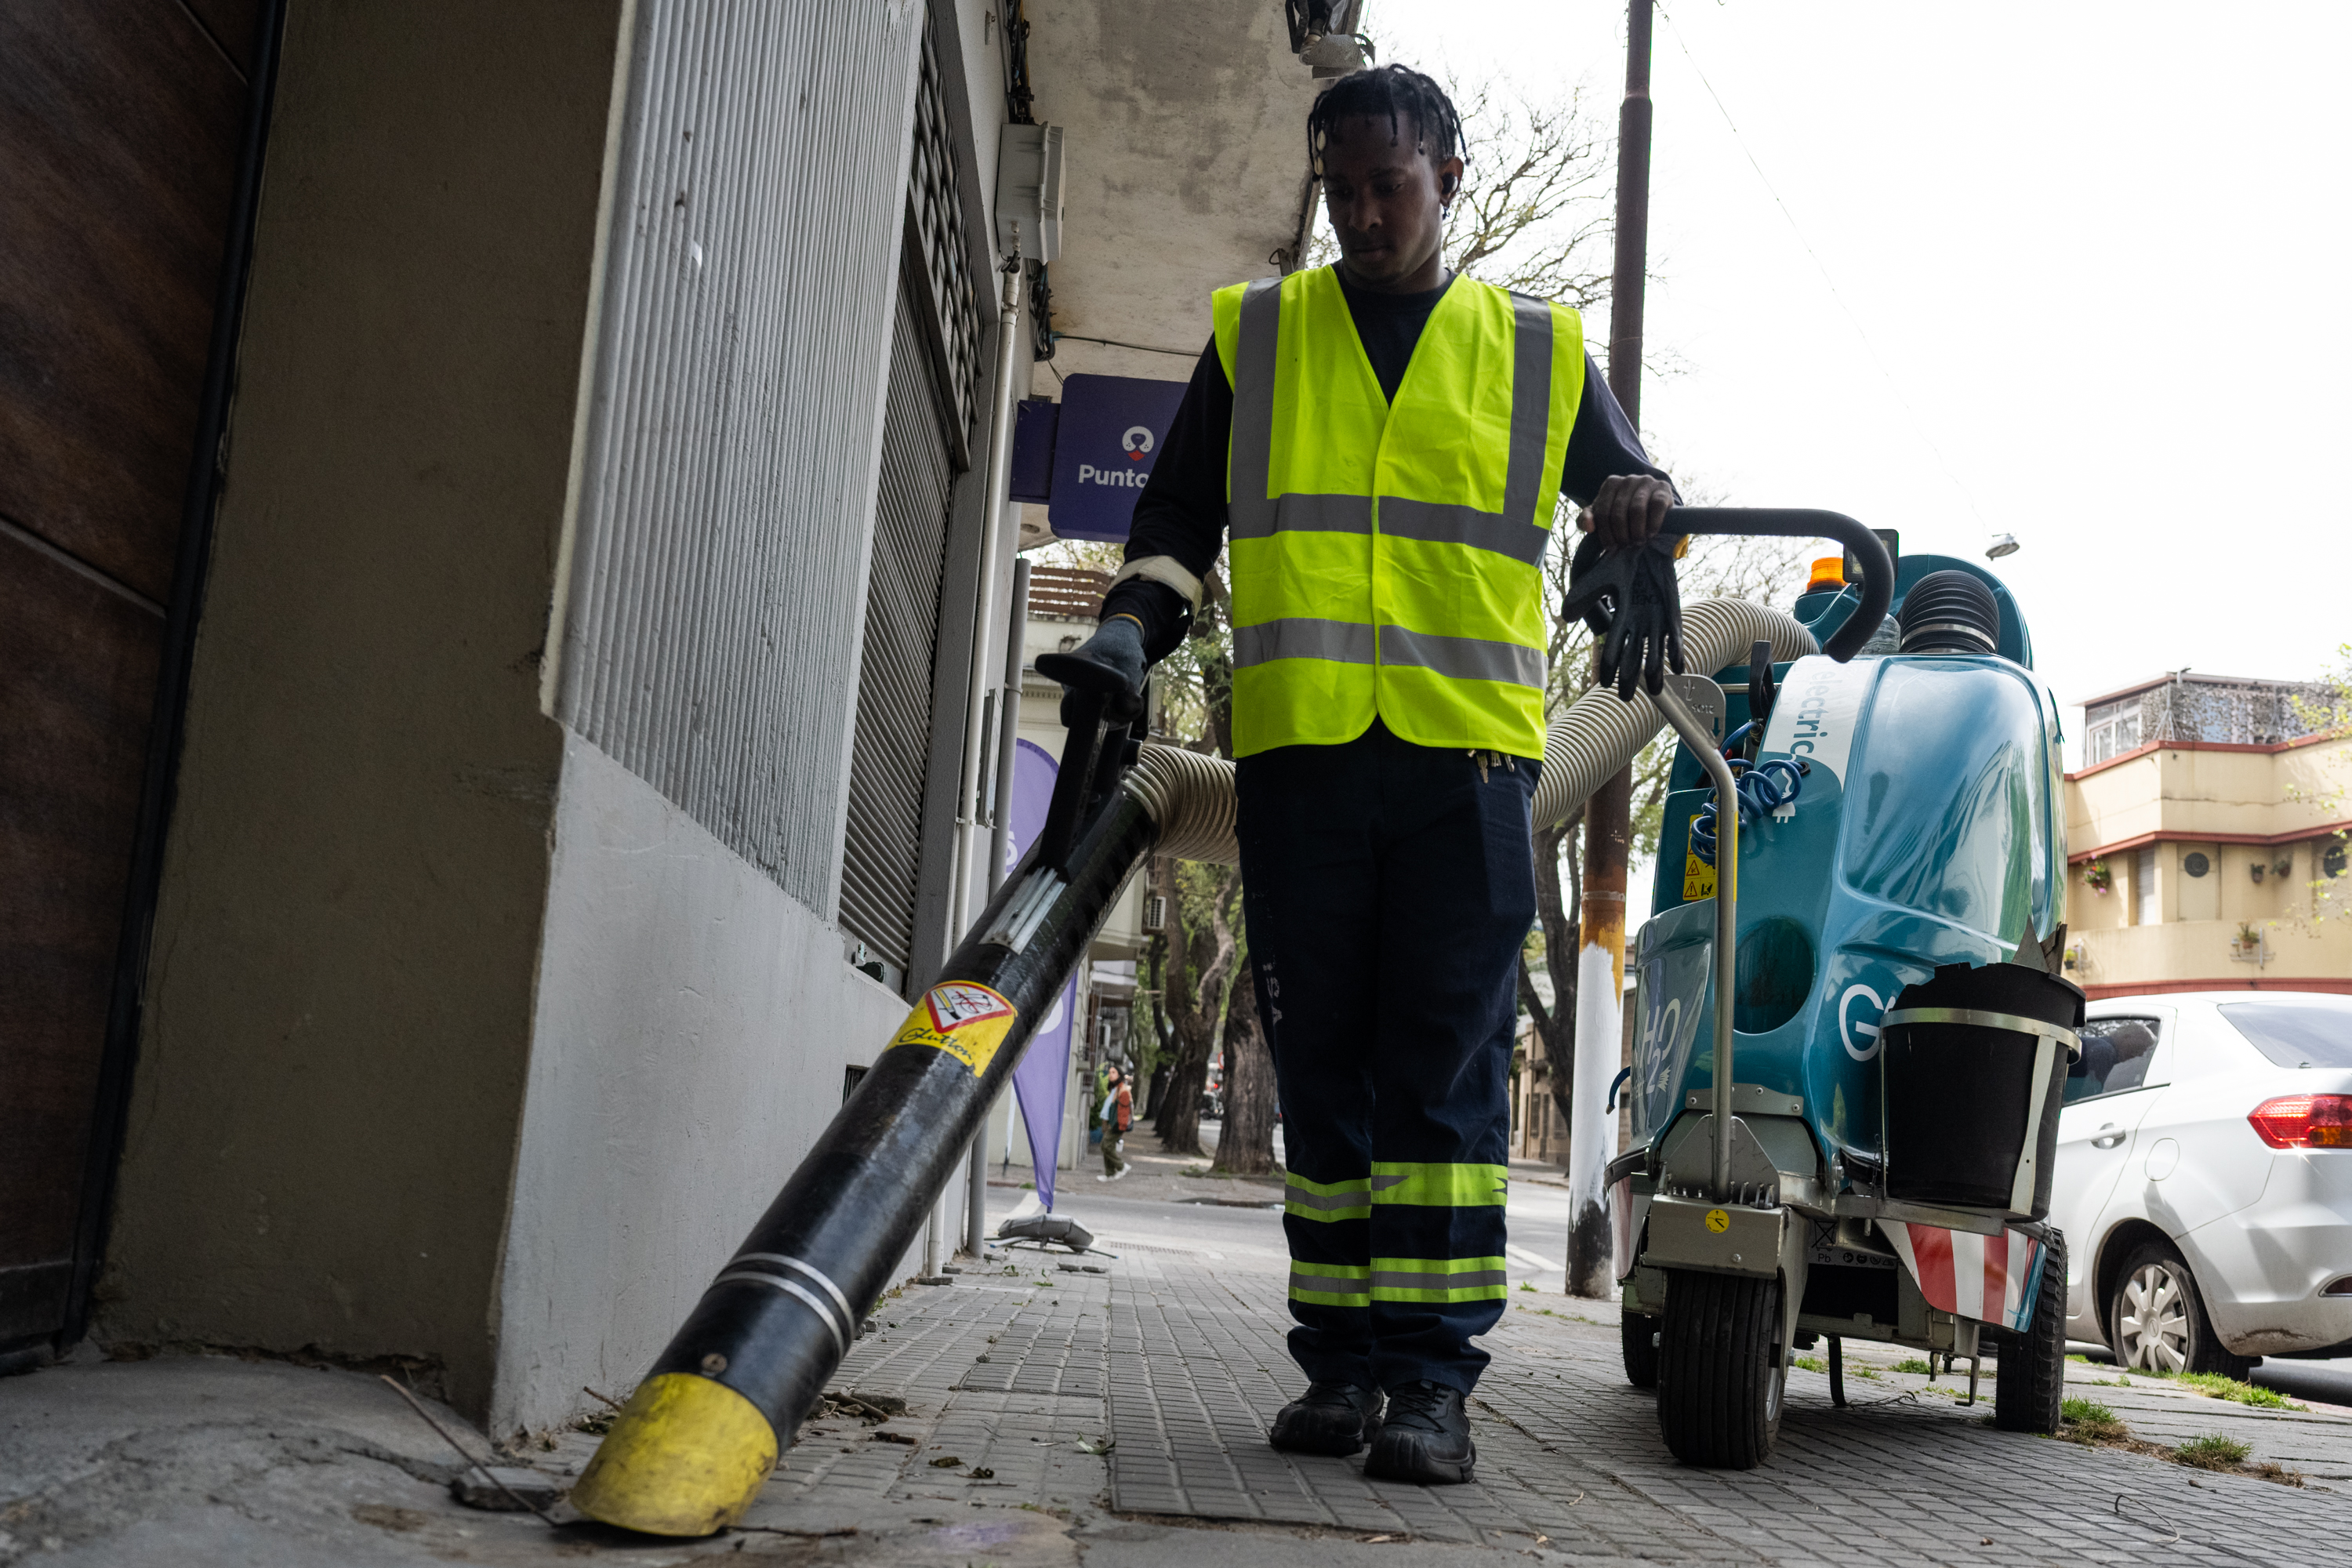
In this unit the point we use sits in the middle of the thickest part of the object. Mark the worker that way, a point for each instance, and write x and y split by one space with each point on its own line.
1384 444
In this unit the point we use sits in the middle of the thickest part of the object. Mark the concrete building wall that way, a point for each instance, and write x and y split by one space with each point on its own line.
2205 956
2222 791
693 1023
339 1005
695 1007
496 988
471 1042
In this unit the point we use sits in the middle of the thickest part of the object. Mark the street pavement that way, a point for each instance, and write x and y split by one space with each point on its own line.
1112 1408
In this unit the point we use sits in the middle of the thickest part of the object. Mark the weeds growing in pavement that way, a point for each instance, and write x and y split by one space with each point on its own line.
2095 1426
1913 1364
2212 1452
2215 1386
2229 1457
2086 1421
1808 1364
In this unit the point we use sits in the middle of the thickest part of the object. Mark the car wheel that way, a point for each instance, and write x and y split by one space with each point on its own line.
2156 1322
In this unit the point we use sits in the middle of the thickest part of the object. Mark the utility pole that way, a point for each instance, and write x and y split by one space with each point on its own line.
1608 817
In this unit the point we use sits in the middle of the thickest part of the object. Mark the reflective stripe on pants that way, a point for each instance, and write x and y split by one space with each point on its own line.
1330 1285
1440 1278
1327 1201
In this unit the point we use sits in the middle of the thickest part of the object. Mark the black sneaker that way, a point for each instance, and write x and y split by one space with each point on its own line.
1426 1439
1334 1418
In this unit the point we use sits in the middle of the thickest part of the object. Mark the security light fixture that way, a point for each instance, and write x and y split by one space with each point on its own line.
2003 544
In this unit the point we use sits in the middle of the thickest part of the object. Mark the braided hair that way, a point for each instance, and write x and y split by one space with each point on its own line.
1394 90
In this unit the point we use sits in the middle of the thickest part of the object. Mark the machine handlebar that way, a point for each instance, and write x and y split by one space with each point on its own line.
1805 522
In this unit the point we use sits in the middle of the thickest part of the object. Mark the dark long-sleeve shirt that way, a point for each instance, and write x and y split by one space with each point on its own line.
1181 513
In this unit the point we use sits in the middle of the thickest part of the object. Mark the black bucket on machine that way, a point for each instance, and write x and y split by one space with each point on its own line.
1973 1071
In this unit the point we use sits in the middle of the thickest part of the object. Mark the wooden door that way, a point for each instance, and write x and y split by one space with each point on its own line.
120 129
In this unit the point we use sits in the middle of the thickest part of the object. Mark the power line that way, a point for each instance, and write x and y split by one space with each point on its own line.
1918 425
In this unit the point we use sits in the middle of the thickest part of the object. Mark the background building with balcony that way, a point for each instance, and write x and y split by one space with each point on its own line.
2206 834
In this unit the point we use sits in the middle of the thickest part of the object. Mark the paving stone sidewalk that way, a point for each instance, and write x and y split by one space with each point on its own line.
1059 1410
1571 1457
1180 1360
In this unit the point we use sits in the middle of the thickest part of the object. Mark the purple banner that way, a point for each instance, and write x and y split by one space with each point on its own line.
1043 1076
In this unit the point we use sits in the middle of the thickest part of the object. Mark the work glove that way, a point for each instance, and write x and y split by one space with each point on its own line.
1630 599
1111 662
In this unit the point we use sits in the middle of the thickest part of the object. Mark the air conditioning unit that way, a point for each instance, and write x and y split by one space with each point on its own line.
1155 912
1029 192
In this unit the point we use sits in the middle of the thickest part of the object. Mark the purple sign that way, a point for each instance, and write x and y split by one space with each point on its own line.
1043 1076
1110 429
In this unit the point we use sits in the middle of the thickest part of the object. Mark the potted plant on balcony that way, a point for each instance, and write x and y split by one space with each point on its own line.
2099 878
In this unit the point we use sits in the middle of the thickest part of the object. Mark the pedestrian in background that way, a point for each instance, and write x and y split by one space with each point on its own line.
1117 1116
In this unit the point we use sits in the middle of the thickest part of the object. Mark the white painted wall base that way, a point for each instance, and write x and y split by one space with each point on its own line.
691 1025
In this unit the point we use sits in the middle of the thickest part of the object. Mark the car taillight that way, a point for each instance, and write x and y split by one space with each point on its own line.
2305 1121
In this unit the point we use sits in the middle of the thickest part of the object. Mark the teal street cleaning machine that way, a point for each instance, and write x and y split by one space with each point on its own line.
1822 1159
1852 1038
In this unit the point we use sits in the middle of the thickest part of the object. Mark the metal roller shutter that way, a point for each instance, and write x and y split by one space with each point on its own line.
934 357
894 690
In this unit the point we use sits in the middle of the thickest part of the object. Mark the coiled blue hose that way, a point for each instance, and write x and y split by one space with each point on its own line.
1763 788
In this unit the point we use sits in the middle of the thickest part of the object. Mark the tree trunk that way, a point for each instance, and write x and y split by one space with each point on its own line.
1202 950
1179 1124
1246 1148
1555 915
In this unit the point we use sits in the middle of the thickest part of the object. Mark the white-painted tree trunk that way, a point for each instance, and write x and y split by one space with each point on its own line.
1591 1129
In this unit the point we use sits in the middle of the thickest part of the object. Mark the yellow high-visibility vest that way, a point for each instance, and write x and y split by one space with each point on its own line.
1387 560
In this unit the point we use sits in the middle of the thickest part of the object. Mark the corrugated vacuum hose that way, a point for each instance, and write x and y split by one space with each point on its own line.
695 1443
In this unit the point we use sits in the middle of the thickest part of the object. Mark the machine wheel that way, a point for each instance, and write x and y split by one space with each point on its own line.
2032 1383
1720 1375
1640 1334
2156 1322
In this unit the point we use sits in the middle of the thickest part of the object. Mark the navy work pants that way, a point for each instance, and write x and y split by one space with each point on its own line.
1387 889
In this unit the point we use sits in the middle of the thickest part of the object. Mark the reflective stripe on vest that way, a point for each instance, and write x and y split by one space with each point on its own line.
1387 560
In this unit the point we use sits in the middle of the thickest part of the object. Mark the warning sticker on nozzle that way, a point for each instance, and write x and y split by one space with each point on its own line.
968 1022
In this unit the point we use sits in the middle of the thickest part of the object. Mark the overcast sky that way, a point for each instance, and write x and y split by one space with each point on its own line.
2090 259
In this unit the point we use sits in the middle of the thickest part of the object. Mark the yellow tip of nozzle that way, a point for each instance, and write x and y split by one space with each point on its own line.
685 1456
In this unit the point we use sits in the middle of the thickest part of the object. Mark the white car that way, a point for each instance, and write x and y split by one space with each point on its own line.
2204 1179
